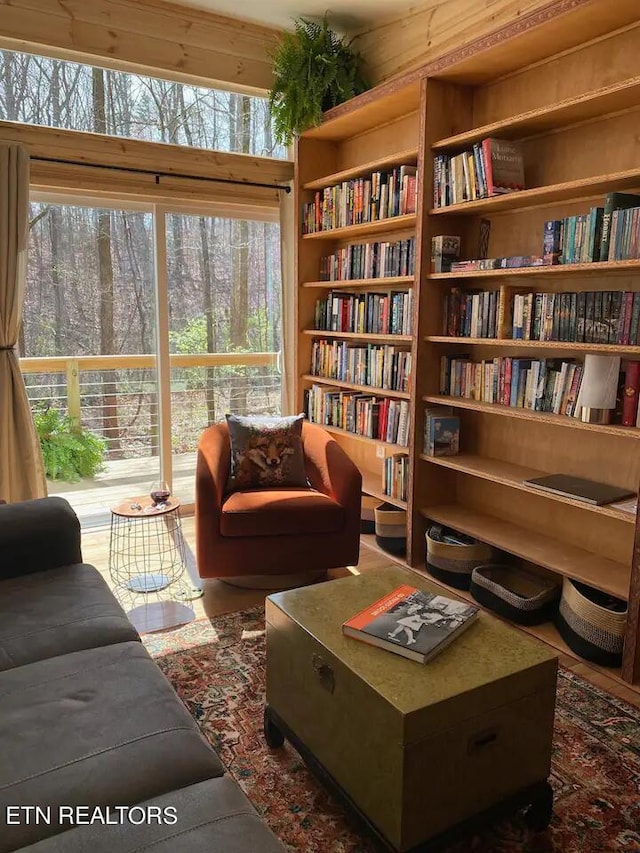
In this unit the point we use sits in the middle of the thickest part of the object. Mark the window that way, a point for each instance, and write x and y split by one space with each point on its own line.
90 335
42 91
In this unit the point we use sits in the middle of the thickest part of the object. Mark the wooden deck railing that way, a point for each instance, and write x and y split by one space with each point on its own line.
72 367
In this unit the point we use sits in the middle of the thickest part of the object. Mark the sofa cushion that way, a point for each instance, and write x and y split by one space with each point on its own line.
91 728
51 613
280 512
212 815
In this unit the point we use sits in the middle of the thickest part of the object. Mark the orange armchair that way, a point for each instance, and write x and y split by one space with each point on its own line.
277 531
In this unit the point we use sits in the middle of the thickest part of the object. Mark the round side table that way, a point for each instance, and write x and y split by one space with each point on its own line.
146 546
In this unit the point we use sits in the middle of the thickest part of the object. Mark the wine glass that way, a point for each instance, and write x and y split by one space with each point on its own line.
159 493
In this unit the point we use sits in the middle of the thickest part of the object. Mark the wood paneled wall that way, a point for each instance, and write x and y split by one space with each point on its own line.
146 36
432 29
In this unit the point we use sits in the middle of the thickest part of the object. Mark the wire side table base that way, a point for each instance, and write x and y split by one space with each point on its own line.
147 556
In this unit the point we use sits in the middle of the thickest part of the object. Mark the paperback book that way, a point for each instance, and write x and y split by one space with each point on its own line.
415 624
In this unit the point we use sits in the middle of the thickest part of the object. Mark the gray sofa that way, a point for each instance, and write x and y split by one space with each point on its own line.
88 721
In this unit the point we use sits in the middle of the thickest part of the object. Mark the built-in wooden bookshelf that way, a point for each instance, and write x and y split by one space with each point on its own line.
575 138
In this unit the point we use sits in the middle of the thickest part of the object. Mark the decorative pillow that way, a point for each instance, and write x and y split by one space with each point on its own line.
266 453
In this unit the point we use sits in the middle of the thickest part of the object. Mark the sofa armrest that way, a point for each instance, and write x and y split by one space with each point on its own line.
331 471
38 535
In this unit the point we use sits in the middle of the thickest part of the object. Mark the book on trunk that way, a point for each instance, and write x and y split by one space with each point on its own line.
415 624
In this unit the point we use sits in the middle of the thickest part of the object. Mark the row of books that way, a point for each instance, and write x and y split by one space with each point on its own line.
542 385
441 431
395 476
382 418
593 317
380 196
471 314
378 366
365 313
609 233
491 167
370 260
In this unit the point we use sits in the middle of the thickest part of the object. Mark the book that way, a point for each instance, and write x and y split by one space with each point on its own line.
613 201
415 624
505 167
630 396
441 434
576 487
444 251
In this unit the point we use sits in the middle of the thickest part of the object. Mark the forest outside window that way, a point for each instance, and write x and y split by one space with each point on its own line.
42 91
90 335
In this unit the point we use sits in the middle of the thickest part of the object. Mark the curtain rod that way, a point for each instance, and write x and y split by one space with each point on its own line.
157 174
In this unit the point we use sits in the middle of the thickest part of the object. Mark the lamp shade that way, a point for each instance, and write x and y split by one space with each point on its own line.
599 382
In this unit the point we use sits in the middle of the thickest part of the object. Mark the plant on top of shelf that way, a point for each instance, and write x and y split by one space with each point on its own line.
314 69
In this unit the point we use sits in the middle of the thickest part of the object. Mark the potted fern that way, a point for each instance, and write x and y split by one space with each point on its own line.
68 452
314 69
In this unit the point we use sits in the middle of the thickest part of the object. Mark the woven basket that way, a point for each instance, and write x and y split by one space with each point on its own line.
452 563
514 593
367 514
592 623
391 529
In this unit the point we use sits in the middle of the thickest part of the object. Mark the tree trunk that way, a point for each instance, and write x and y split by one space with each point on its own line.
207 304
240 260
110 424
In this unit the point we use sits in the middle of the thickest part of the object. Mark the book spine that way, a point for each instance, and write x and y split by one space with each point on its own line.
630 394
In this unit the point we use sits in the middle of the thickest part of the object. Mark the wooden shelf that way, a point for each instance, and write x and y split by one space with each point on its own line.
399 281
595 104
386 445
401 158
511 343
368 111
364 336
547 632
366 389
511 475
557 270
527 414
380 226
553 554
542 196
372 485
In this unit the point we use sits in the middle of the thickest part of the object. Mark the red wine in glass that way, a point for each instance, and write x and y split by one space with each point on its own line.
159 493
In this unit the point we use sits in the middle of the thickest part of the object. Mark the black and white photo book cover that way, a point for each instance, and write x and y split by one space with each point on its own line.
412 623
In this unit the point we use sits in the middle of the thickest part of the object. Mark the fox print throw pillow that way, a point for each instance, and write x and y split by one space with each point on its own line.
266 453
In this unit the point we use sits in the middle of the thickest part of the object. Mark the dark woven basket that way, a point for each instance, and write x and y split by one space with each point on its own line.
592 623
367 514
453 561
518 595
391 529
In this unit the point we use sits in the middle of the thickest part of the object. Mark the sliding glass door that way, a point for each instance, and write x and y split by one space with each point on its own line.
141 327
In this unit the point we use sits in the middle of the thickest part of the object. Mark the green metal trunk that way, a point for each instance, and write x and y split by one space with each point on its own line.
418 748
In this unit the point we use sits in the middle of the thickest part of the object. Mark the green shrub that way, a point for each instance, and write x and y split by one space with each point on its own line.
68 454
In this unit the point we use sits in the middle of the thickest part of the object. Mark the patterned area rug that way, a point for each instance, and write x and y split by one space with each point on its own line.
217 669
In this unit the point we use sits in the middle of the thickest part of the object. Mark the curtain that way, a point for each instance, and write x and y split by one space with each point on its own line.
289 302
21 468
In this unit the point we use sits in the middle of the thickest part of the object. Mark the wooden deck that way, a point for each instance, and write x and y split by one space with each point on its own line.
92 499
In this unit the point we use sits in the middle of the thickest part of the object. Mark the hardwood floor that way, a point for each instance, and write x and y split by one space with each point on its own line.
221 598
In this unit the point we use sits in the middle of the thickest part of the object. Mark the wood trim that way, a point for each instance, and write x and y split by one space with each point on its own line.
58 363
151 37
631 653
95 149
530 38
83 182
